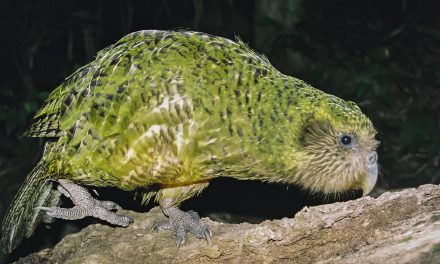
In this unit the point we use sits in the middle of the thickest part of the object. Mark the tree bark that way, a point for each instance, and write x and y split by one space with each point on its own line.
397 227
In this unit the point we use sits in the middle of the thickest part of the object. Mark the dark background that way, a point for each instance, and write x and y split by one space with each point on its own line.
383 55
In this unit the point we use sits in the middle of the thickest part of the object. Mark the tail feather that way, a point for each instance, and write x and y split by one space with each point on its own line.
22 218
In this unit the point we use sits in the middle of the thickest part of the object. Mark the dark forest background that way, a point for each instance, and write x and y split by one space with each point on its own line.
383 55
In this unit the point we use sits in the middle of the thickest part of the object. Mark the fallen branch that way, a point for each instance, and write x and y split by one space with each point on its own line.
397 227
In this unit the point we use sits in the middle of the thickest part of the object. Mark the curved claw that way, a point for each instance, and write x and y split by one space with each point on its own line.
204 232
180 236
161 225
207 234
180 241
129 219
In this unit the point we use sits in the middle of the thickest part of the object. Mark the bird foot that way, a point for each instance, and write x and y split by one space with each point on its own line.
85 205
181 222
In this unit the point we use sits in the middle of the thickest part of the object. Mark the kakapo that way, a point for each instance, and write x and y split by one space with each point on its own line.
175 109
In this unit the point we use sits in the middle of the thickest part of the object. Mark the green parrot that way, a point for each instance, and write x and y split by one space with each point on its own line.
162 113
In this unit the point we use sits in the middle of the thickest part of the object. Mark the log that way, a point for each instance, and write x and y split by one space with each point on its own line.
397 227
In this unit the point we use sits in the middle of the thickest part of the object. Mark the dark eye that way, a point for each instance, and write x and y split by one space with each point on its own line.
346 140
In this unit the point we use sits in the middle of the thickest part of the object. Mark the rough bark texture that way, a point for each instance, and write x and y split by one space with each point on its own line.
399 227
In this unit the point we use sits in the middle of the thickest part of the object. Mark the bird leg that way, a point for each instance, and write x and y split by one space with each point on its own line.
85 205
180 222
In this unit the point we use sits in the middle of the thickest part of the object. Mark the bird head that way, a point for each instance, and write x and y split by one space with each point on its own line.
336 148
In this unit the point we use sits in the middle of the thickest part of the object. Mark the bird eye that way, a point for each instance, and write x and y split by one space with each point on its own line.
346 140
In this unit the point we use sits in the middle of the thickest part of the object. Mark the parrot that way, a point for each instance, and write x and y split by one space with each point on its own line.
162 113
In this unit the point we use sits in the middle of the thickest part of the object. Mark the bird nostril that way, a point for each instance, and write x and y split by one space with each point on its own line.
372 157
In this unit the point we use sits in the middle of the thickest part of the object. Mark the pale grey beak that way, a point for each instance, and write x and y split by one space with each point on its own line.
372 171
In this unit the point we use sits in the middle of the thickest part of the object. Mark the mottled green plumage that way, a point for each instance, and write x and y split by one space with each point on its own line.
174 109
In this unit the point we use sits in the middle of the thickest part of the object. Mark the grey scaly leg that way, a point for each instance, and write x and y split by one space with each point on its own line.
85 205
181 222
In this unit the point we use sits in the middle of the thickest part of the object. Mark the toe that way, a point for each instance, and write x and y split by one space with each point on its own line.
109 205
127 220
203 232
180 237
194 215
45 209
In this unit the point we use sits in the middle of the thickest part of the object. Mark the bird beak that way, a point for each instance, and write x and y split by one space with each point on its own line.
372 172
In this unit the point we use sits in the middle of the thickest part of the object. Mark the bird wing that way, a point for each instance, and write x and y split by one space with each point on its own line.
64 105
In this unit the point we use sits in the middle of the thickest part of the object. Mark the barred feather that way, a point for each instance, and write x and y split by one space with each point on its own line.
21 218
